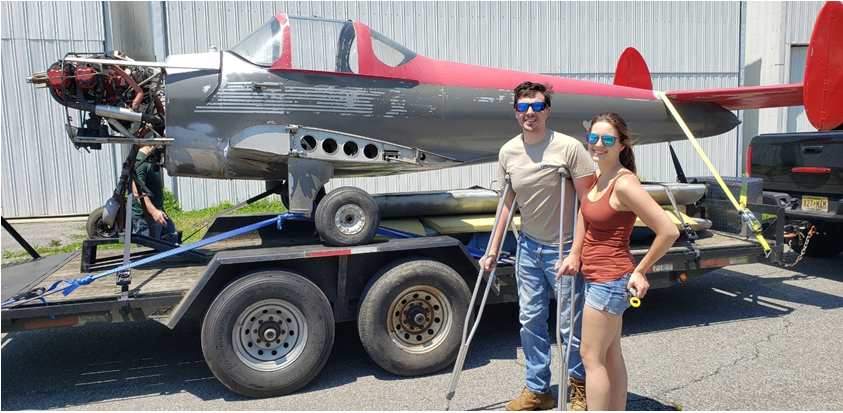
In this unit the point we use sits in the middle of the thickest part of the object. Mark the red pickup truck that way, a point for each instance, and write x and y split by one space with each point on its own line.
803 172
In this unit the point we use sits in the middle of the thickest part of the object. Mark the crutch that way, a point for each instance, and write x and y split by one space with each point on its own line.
563 384
466 337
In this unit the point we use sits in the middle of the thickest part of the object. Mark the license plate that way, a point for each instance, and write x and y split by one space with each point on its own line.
815 203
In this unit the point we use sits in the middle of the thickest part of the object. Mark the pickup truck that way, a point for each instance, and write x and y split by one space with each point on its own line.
803 172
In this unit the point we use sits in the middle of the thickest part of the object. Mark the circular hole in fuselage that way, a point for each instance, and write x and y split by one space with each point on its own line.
308 143
370 151
350 148
329 146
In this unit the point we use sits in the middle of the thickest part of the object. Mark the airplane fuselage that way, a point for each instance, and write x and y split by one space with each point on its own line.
207 108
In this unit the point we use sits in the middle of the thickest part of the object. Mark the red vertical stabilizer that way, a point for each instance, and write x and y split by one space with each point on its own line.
632 70
823 90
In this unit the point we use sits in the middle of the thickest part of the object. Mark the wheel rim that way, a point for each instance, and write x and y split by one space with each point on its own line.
103 230
350 219
419 319
269 335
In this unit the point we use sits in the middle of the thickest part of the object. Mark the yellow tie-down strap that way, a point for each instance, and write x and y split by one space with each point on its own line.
745 213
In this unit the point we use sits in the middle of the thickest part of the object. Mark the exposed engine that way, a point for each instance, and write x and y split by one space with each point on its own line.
128 98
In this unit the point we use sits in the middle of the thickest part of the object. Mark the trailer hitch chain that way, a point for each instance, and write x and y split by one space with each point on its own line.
811 233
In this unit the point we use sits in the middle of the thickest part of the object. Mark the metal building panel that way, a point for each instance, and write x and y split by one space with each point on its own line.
802 16
797 118
43 174
131 25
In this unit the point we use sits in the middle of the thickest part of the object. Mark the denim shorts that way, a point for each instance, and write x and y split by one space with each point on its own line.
609 296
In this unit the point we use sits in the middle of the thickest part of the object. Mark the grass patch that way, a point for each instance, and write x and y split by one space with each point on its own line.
184 220
9 256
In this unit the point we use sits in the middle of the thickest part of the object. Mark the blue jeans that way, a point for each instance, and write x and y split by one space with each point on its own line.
536 282
167 233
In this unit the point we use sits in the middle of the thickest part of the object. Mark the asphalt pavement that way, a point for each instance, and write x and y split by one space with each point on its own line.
748 337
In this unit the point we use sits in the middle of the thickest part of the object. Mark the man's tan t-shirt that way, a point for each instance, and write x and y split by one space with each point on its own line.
534 173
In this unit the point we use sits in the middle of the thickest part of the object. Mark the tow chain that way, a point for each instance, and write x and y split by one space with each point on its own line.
811 233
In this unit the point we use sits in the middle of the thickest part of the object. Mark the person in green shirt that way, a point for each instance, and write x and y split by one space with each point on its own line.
162 226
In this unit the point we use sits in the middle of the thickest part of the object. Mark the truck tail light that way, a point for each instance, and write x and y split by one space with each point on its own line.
749 161
811 170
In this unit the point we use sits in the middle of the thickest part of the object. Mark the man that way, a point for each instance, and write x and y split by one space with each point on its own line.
150 174
532 160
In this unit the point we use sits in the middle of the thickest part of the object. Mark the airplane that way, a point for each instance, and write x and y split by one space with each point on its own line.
302 100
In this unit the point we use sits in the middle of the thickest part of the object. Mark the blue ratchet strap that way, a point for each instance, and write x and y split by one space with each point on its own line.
397 233
74 284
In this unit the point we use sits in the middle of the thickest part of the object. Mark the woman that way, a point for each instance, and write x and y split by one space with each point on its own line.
605 223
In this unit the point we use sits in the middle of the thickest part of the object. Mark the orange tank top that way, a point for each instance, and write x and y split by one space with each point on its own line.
605 254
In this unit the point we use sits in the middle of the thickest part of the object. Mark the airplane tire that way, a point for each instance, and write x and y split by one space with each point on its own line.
268 334
347 216
412 316
97 229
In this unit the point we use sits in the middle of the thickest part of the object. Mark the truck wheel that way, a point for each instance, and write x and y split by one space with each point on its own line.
97 229
827 244
347 216
268 334
412 316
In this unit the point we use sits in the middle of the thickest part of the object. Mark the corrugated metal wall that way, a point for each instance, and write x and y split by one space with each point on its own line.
773 29
43 174
688 45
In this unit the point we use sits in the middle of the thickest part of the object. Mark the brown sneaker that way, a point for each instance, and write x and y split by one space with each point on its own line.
578 403
531 401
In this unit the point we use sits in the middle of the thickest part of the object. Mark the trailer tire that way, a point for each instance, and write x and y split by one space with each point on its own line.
347 216
269 357
412 315
97 229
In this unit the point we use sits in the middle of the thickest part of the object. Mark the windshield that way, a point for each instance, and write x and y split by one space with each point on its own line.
390 52
263 46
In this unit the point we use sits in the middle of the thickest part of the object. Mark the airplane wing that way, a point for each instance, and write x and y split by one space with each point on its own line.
747 97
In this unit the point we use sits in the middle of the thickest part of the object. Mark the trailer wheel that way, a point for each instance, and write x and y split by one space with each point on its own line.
347 216
268 334
412 315
97 229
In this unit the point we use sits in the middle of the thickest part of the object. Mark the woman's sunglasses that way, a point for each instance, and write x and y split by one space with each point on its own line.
608 140
537 106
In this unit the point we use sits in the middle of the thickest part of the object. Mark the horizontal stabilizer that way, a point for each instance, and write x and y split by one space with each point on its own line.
632 70
748 97
823 93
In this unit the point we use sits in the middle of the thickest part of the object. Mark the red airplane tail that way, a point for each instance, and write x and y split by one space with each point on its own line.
823 91
632 70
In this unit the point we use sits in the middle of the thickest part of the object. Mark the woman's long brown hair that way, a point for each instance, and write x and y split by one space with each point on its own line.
627 157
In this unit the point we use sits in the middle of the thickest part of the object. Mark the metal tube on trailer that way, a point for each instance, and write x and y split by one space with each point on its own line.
467 337
566 356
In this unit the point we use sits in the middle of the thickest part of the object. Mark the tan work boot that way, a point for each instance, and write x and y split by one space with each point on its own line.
578 403
531 401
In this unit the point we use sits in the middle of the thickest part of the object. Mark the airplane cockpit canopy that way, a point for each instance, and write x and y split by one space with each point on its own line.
316 44
263 47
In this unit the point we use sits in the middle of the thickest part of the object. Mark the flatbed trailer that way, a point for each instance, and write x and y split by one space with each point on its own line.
269 303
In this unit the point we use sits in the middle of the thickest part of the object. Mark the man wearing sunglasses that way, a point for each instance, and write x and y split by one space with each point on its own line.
532 161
